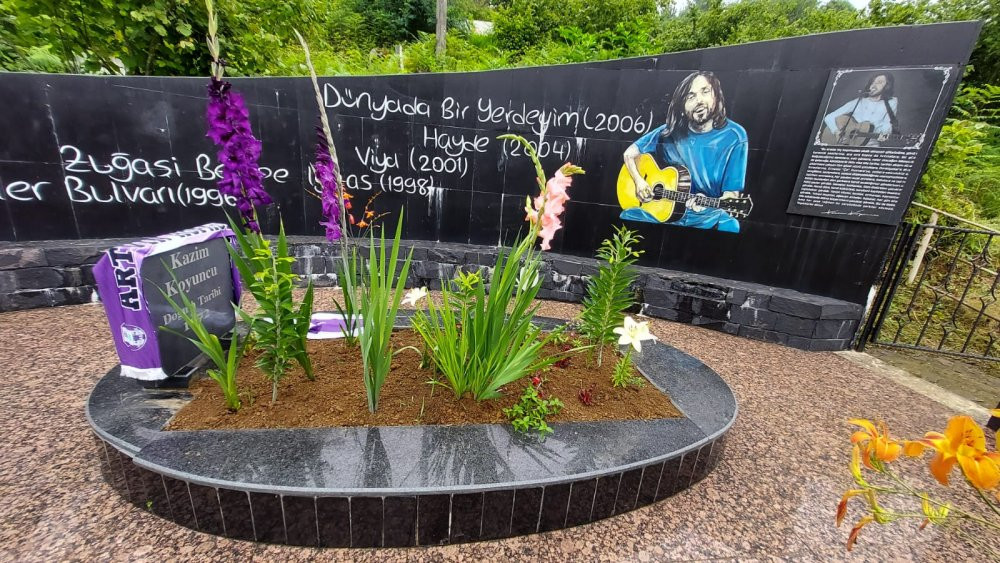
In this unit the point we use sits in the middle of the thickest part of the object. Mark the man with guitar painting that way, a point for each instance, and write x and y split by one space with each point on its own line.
867 120
705 158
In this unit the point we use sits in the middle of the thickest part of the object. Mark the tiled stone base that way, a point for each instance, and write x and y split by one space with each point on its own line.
401 521
409 485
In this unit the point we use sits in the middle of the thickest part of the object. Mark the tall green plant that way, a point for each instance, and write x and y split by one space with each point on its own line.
279 328
225 362
347 279
381 292
473 341
609 293
482 341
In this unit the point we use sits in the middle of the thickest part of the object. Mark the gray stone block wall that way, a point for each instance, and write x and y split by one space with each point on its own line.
54 273
782 316
48 273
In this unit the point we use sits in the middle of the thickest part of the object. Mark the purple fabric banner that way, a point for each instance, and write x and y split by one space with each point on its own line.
121 291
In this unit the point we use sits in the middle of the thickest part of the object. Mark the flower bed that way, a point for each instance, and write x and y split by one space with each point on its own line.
372 486
336 397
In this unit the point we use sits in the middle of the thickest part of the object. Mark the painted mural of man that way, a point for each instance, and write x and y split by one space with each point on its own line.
698 136
875 104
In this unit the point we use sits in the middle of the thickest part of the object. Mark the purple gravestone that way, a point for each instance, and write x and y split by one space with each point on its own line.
130 279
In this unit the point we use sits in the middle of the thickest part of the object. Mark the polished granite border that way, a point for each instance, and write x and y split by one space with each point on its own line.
408 485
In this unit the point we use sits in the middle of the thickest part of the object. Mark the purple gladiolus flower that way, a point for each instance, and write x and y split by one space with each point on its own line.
327 178
239 150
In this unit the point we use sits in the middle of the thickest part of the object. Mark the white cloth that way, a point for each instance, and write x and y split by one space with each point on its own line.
872 111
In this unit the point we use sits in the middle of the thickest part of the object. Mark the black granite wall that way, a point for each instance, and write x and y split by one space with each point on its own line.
87 157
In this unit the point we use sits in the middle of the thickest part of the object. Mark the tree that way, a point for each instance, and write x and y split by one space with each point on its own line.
441 27
117 37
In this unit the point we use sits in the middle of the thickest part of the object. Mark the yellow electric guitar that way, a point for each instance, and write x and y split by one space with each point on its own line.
671 190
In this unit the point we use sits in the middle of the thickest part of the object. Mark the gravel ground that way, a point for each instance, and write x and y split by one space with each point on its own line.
772 496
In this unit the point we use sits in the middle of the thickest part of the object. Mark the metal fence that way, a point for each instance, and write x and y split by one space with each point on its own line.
939 292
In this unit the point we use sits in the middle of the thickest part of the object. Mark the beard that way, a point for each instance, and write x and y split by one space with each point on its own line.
700 115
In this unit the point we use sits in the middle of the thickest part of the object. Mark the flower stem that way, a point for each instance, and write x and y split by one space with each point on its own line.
960 512
333 149
986 500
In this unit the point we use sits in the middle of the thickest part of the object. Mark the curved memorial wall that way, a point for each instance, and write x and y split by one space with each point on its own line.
777 170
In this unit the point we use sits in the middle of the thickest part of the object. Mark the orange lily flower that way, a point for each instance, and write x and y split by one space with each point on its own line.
913 448
874 442
963 442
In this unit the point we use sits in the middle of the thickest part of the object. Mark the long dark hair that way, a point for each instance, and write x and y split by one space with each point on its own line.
677 121
888 92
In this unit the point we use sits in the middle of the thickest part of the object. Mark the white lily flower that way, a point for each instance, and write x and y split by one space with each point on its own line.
414 295
632 333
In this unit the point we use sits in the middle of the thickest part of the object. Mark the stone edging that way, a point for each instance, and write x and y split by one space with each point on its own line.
339 487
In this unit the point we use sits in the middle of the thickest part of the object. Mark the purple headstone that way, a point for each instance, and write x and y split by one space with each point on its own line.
130 279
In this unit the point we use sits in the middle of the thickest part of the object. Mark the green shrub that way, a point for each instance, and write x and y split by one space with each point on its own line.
609 293
481 342
963 174
461 55
279 329
389 22
529 414
523 23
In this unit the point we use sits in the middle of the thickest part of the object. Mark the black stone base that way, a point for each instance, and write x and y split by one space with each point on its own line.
400 520
408 485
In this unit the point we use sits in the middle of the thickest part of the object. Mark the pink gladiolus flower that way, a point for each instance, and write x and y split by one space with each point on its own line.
554 198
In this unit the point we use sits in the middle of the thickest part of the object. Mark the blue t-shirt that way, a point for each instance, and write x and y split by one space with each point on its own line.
717 160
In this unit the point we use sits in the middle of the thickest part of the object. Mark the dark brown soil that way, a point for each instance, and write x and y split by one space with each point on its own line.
337 396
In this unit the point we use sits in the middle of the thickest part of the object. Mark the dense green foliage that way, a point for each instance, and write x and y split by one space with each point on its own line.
624 373
609 293
381 293
165 37
963 175
280 328
356 37
482 340
529 414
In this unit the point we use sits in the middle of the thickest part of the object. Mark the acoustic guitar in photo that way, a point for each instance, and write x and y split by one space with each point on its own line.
671 190
856 134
